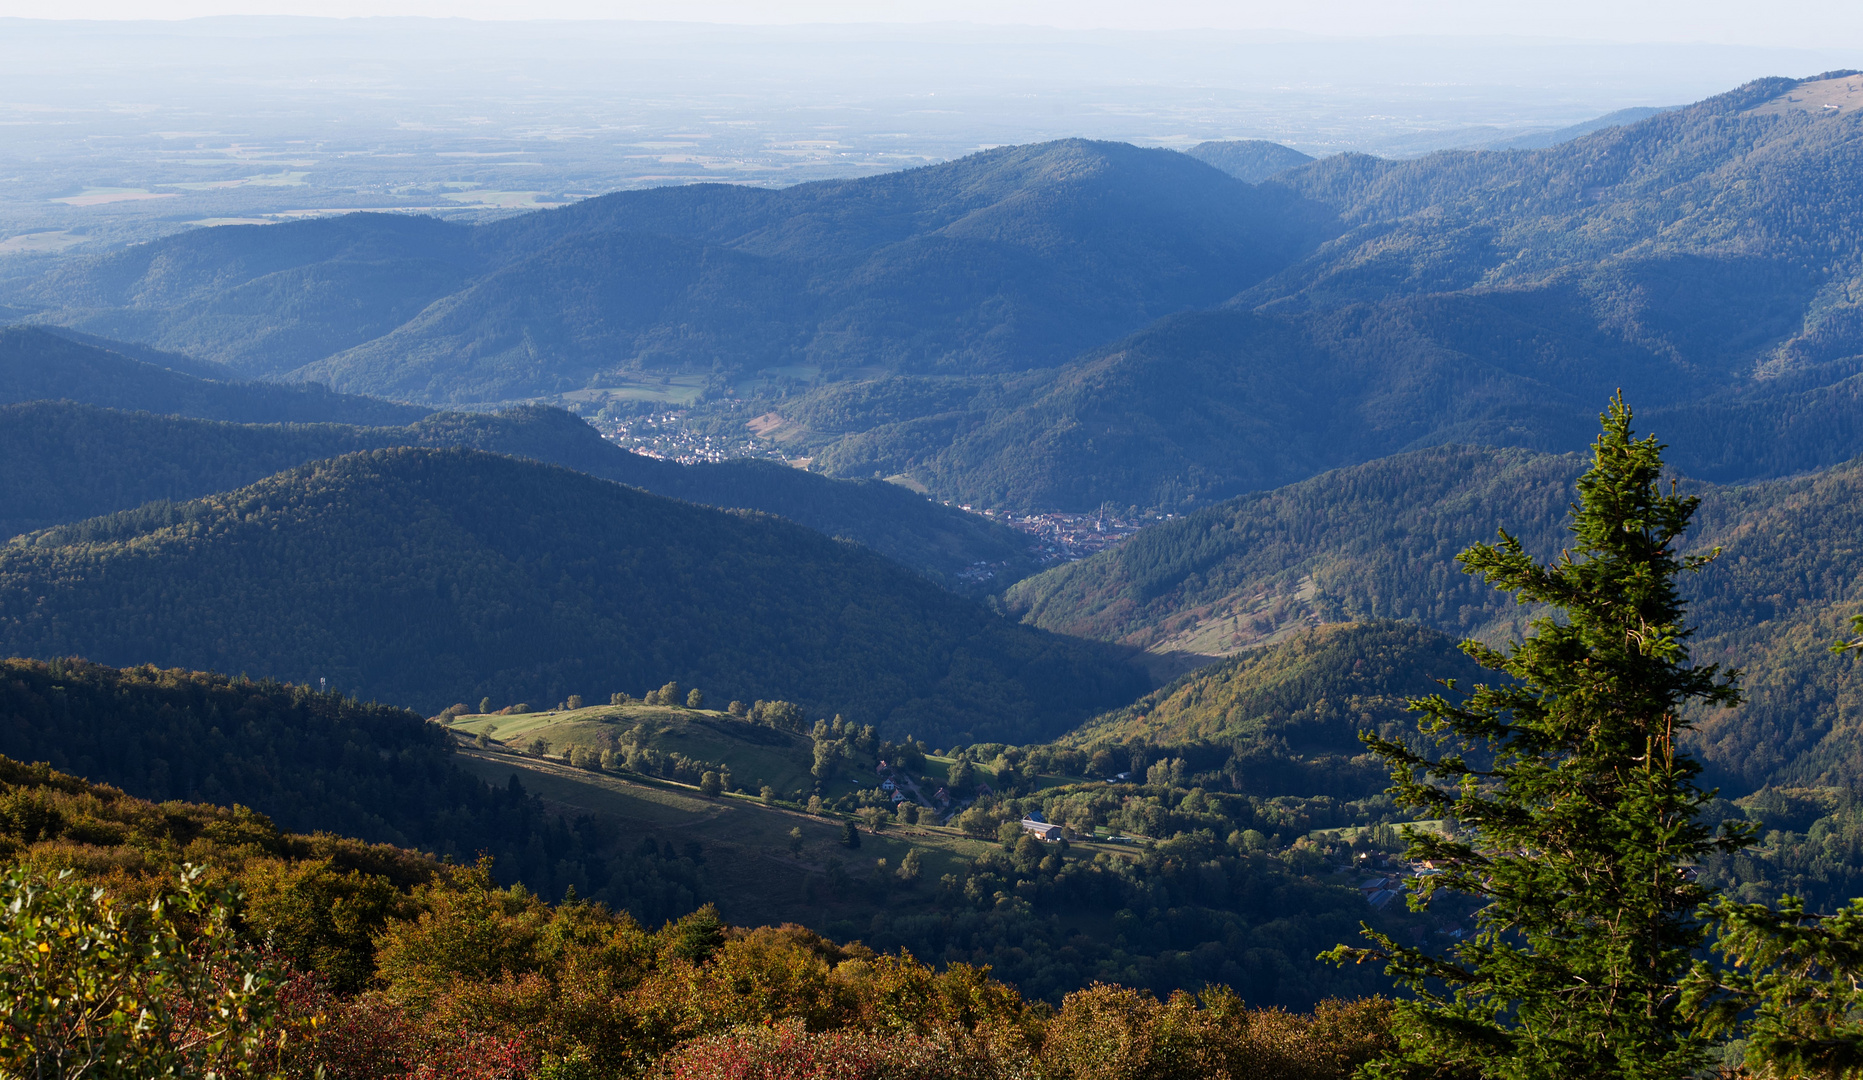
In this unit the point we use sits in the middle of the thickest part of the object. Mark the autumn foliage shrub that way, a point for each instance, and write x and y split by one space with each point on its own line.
1117 1033
369 962
369 1038
789 1051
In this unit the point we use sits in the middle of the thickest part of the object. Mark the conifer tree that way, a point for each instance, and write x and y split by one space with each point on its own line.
1792 984
1576 813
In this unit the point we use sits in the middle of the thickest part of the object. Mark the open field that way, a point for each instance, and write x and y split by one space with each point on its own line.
622 386
745 844
756 755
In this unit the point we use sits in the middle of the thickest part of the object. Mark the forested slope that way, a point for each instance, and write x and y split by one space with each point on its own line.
1374 541
1250 160
66 462
38 365
1309 695
1283 720
1007 259
312 762
429 577
1705 260
1379 540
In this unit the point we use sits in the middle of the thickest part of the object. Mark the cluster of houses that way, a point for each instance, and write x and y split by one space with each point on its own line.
894 784
1389 878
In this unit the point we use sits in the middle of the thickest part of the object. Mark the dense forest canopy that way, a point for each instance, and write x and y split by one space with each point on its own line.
1375 541
428 577
69 461
1065 244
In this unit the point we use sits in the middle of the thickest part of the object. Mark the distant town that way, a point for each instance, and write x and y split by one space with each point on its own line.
668 437
1063 537
1058 536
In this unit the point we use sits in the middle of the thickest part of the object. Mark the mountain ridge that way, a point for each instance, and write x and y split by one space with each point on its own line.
435 576
1379 540
1003 260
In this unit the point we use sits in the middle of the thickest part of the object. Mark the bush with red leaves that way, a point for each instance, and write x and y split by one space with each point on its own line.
789 1052
367 1038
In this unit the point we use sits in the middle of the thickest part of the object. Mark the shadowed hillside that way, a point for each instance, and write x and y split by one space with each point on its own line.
39 365
1249 160
66 462
430 577
1379 541
1001 261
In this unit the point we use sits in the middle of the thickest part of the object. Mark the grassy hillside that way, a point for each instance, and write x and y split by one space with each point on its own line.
1048 918
754 755
430 577
389 965
1173 905
311 762
66 462
1310 694
39 365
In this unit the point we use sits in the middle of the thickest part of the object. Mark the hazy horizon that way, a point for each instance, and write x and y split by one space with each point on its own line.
121 130
1818 24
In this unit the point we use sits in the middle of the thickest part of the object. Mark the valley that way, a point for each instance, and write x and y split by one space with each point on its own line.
1012 610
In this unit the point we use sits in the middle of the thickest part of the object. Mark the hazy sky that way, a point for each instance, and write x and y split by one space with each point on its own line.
1809 23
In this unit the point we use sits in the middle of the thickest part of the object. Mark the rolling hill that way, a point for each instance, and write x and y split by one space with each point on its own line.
41 365
1249 160
1704 260
1310 694
434 576
1283 720
1004 260
1378 541
65 462
309 762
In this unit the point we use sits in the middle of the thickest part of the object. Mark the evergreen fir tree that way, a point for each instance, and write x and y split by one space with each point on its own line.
1576 813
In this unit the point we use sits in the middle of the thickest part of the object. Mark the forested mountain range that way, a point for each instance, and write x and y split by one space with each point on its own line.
1004 260
38 365
1379 540
65 461
427 577
1065 325
1704 260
